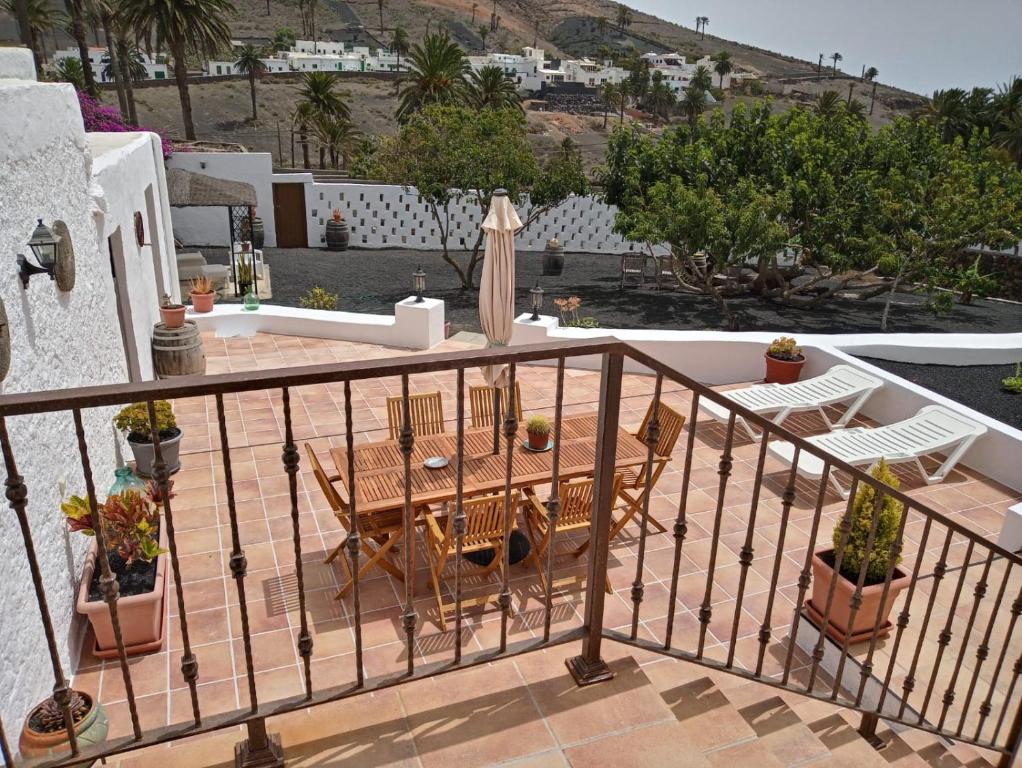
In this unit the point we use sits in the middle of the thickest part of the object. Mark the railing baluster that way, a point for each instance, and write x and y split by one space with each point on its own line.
856 599
983 650
407 443
17 495
747 550
553 504
680 523
724 471
510 430
161 473
978 594
107 579
354 540
652 438
805 575
904 615
238 562
985 708
291 460
1016 673
459 515
893 556
909 683
839 553
787 499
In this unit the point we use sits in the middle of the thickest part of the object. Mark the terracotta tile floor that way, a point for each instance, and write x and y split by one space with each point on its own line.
255 428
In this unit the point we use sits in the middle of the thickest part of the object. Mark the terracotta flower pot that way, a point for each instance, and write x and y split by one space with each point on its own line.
866 625
173 316
202 302
142 617
92 729
783 371
538 441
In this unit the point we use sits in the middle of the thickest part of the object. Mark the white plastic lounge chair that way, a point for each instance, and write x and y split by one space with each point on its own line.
840 384
933 429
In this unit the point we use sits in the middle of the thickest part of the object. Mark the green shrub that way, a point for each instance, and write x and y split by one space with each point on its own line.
1013 384
133 419
538 425
319 298
888 522
756 88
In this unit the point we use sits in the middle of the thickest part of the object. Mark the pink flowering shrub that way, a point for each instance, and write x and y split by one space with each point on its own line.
101 118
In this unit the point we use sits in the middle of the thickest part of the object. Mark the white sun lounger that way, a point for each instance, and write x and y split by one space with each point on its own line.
838 385
934 429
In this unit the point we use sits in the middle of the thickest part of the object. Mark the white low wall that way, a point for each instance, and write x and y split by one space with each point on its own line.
720 357
414 325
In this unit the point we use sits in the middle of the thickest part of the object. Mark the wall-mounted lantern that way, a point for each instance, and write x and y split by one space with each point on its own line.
536 293
44 246
418 283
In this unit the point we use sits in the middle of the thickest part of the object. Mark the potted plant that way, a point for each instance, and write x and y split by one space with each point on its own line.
1013 384
244 275
202 294
871 618
133 421
173 315
784 361
337 234
135 541
44 733
537 429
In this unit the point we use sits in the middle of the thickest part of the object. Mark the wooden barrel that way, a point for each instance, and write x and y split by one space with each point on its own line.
178 351
336 235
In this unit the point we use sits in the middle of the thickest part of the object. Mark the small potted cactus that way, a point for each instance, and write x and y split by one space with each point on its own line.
44 734
784 361
537 430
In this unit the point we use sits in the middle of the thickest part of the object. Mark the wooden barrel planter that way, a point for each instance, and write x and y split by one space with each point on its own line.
178 351
336 235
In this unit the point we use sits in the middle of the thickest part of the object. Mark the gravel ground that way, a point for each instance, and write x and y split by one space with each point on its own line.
372 280
977 386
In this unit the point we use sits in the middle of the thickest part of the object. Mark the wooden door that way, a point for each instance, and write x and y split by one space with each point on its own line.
289 215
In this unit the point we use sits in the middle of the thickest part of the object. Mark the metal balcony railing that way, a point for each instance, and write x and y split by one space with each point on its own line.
951 675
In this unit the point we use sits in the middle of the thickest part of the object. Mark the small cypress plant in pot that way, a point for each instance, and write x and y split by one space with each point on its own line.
133 421
537 429
784 361
871 618
44 733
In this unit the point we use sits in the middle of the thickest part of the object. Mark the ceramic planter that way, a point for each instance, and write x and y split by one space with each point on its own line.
142 617
783 371
173 316
203 302
838 622
538 441
91 730
145 454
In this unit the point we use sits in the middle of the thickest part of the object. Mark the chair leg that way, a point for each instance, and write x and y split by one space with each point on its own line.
635 508
375 558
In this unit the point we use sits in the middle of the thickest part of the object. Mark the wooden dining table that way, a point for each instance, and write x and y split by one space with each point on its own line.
380 474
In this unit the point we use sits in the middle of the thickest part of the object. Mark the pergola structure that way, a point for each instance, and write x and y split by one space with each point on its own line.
188 189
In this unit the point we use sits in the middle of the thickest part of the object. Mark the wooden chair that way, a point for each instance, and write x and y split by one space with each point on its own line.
481 401
576 513
633 485
426 410
664 265
379 532
633 265
484 529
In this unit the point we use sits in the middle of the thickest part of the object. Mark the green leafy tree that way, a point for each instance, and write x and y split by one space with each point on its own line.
250 63
183 26
437 75
489 88
283 39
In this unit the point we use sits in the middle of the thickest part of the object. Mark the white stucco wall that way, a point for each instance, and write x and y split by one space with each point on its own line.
208 226
58 340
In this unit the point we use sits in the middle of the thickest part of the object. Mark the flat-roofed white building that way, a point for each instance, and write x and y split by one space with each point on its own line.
156 65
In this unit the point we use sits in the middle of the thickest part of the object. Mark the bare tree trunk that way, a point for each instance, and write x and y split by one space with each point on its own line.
129 86
181 75
75 12
443 224
890 296
25 30
115 66
322 157
303 138
251 84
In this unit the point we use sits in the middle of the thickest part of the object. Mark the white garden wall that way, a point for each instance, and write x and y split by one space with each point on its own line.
58 340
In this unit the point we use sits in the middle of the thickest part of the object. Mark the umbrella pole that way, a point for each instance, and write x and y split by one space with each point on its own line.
496 420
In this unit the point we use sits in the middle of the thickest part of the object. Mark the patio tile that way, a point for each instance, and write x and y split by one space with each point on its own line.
660 744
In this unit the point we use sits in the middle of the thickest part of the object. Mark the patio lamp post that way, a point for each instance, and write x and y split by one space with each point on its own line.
418 283
536 295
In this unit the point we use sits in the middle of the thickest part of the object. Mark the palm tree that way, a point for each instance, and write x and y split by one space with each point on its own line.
489 87
723 65
870 74
184 26
71 71
483 32
692 103
660 97
475 7
436 74
703 20
76 14
855 109
701 79
835 57
130 60
624 18
302 119
819 67
250 64
39 17
601 27
317 90
399 44
379 5
608 94
337 137
947 111
828 104
1009 137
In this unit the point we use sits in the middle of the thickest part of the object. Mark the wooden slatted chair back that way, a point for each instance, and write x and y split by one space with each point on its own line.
671 424
337 504
577 497
481 401
426 411
484 520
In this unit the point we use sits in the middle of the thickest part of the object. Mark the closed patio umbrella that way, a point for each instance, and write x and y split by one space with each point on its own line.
497 291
